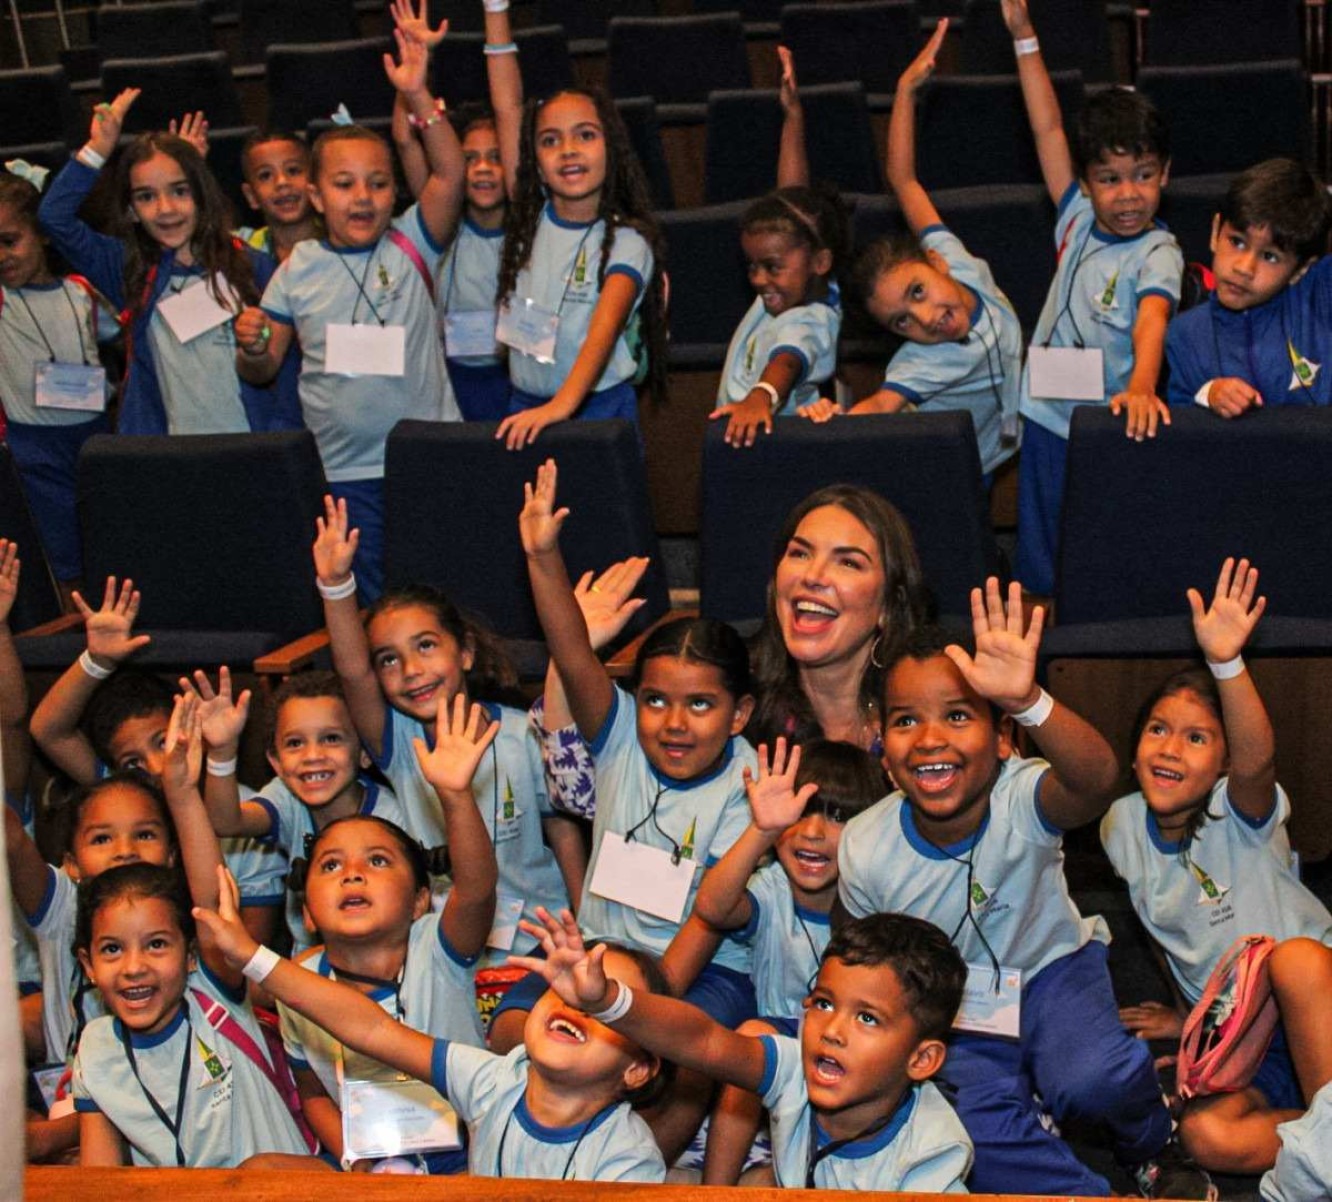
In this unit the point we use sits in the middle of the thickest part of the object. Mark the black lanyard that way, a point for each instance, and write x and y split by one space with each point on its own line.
17 294
362 294
394 983
815 1156
814 951
1067 306
632 833
181 1089
578 1143
967 915
79 988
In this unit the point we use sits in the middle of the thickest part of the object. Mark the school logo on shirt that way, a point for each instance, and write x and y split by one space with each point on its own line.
749 353
687 847
1211 891
1107 299
214 1068
980 896
580 267
385 282
508 806
1303 371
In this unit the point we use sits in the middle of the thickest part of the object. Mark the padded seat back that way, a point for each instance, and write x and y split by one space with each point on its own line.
37 106
676 60
38 600
309 82
174 85
868 42
153 30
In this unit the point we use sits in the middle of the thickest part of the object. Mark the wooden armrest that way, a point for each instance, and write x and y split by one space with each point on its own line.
55 626
621 664
293 656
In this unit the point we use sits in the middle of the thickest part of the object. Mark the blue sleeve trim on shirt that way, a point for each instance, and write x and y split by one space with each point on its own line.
439 1067
1173 298
275 830
232 993
435 247
44 906
385 756
625 269
86 1106
747 932
296 1062
798 353
597 745
1050 827
891 385
449 950
769 1064
264 899
1254 824
1067 199
284 318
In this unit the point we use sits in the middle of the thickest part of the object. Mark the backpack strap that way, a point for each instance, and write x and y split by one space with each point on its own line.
408 248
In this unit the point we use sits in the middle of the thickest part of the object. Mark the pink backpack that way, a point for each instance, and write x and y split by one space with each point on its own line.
1228 1032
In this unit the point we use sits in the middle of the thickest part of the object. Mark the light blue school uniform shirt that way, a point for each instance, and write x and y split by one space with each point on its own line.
924 1147
436 996
37 322
561 277
231 1109
1233 878
1093 302
700 818
292 822
1303 1168
982 373
201 391
1019 895
809 332
467 280
788 941
321 285
69 1000
505 1140
510 791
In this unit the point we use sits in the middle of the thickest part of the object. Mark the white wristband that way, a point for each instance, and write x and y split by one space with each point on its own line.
91 158
1201 396
1228 669
336 592
221 767
93 668
1037 712
618 1008
496 6
264 960
1024 46
774 397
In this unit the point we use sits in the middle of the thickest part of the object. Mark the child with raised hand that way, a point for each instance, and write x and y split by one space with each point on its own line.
1117 283
174 1074
276 168
360 303
557 1107
794 240
318 765
172 239
581 282
973 841
1249 344
413 656
963 347
851 1101
670 789
52 386
782 908
1204 849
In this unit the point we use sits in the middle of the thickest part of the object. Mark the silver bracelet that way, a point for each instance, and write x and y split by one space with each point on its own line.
1037 712
1228 669
336 592
618 1008
264 960
93 668
90 157
221 767
1024 46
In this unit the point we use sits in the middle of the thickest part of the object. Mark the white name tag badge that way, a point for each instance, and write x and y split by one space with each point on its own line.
193 311
1066 373
642 877
990 1006
508 910
70 386
470 334
365 350
395 1118
528 328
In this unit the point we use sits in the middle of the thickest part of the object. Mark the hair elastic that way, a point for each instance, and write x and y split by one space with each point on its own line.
221 767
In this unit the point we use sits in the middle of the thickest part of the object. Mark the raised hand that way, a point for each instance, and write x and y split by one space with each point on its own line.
182 750
460 742
788 90
540 522
109 638
9 577
222 720
223 926
1223 627
922 66
1003 669
1017 18
408 74
774 801
107 120
335 545
193 127
608 602
416 25
574 973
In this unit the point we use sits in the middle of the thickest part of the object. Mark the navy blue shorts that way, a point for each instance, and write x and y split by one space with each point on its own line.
1276 1079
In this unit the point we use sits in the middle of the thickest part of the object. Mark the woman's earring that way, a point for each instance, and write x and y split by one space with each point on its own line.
874 651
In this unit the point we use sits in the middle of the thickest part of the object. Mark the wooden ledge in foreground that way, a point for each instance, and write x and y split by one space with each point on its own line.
211 1185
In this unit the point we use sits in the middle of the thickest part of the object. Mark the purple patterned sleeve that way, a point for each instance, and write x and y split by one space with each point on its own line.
570 774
